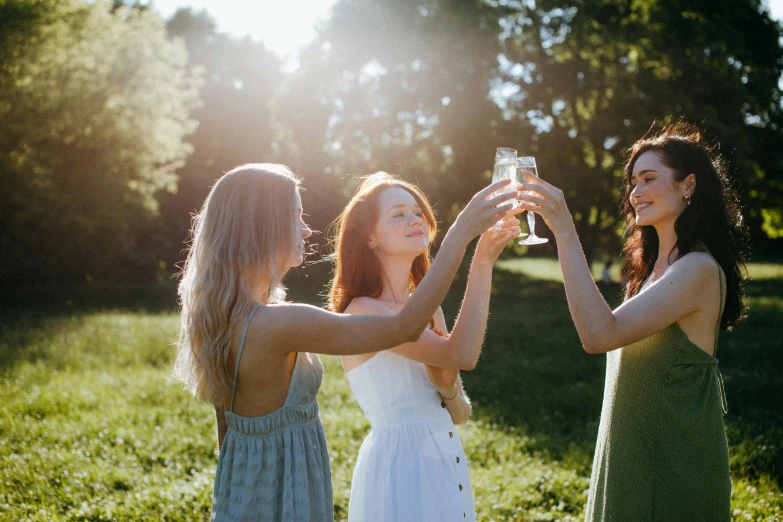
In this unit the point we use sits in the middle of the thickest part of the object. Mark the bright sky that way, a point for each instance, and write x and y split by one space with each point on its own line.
283 25
776 8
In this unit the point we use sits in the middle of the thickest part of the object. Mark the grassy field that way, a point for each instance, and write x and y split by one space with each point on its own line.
90 429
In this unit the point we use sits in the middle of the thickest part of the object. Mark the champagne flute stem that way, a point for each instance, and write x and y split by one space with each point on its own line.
531 223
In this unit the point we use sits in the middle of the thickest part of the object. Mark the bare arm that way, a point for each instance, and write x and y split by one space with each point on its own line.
457 402
462 348
682 290
291 327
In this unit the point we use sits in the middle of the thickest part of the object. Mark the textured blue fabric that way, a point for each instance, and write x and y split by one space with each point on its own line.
276 467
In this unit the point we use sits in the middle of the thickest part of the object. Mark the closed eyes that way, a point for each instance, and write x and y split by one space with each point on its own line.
400 214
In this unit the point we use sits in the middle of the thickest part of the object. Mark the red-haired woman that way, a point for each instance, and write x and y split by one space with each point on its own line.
411 466
662 453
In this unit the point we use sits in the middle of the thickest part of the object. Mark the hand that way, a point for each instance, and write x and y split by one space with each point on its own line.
481 212
548 201
493 241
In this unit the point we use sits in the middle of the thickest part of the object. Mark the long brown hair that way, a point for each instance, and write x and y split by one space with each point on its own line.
357 270
713 220
242 241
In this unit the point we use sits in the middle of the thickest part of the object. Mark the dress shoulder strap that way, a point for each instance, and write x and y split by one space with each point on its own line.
239 354
723 402
720 308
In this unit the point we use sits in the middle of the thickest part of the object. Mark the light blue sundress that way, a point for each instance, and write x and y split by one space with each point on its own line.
276 467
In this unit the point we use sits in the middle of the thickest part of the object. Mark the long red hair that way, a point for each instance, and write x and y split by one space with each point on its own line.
357 271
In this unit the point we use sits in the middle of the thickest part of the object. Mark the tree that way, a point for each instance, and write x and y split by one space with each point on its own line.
96 103
596 74
235 125
401 87
435 86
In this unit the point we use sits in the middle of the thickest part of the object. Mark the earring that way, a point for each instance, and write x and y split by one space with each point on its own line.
687 200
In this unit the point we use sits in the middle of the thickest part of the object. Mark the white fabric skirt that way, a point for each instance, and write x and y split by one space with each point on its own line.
409 472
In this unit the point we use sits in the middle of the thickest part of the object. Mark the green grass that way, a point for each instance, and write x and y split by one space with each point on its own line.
90 428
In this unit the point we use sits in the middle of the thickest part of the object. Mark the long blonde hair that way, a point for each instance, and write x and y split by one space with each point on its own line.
242 241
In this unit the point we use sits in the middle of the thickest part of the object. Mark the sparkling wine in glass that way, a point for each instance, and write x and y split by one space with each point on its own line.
505 168
528 164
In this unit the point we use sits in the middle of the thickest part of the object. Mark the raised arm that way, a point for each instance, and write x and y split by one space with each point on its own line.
296 327
684 288
461 350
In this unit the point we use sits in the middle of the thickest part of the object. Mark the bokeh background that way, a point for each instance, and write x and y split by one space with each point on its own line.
116 118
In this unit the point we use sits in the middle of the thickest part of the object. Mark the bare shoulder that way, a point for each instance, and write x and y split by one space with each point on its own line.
367 305
362 306
696 266
695 274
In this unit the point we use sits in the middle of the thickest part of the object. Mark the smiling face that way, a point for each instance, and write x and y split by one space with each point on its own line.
657 197
302 233
401 229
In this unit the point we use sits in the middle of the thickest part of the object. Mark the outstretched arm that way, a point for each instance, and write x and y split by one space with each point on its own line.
682 290
462 348
294 327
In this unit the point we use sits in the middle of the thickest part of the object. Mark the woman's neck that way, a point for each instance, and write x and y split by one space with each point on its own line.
396 284
667 246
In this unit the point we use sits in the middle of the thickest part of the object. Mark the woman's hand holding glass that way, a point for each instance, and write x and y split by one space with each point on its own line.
483 210
494 240
546 200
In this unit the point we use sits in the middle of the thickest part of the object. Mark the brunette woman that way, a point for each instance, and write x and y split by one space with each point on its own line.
661 453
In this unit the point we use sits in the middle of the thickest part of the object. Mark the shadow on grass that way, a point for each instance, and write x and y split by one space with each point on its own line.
751 358
31 315
534 375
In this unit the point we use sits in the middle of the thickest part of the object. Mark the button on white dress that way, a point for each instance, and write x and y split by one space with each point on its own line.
411 467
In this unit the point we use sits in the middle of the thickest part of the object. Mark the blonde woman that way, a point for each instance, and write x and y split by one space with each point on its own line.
246 352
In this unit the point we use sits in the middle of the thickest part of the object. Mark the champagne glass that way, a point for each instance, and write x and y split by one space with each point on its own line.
505 168
528 164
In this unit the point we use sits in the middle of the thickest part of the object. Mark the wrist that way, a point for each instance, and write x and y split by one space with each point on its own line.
457 235
450 394
483 261
566 232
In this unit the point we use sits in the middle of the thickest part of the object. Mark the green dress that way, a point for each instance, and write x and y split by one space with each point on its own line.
661 453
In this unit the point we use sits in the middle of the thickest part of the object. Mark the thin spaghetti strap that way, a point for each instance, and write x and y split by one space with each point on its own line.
723 402
239 354
720 309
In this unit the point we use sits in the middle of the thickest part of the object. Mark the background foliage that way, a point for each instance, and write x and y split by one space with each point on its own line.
116 122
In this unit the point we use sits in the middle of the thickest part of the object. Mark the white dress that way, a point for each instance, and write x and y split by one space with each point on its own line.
411 467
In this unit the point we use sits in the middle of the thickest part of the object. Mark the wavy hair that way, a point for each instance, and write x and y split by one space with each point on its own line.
357 270
713 220
241 247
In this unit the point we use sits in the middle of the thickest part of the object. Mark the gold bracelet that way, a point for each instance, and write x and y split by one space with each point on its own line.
456 391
